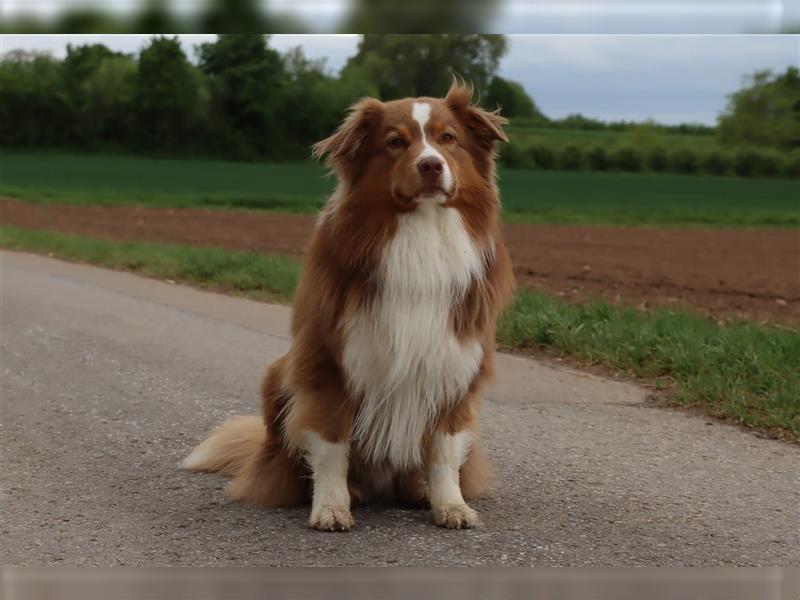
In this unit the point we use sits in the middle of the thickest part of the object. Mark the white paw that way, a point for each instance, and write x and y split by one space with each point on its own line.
455 516
331 518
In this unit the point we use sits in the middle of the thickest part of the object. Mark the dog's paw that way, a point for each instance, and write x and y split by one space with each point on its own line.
331 518
455 516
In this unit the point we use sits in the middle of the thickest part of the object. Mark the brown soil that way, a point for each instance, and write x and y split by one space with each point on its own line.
739 273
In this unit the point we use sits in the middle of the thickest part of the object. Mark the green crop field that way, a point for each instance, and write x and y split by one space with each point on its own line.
528 196
98 179
640 199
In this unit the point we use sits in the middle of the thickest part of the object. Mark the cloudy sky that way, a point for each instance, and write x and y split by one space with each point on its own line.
670 78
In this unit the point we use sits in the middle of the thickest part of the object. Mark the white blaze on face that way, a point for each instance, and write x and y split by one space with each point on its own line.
421 113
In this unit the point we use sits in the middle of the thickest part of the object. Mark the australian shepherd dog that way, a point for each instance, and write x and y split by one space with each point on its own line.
393 325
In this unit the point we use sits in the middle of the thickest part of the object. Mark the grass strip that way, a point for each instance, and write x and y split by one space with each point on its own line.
740 372
264 277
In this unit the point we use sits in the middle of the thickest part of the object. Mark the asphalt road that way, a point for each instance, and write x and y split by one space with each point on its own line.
108 380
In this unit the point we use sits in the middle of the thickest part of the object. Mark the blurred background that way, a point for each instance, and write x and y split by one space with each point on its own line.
411 16
710 106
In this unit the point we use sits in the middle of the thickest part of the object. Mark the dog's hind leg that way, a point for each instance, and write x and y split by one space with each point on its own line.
270 477
476 473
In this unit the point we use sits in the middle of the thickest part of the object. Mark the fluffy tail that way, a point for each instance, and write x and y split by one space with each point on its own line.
228 447
262 473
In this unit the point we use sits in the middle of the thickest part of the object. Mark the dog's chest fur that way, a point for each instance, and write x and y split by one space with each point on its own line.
401 356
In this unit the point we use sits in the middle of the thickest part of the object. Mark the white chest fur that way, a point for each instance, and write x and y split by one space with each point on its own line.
401 355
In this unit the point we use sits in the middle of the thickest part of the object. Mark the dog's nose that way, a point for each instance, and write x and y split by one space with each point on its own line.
430 168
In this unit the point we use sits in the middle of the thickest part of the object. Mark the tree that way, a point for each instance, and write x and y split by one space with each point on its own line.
168 92
110 93
423 65
766 111
247 86
243 16
512 98
154 16
33 106
316 100
418 16
78 66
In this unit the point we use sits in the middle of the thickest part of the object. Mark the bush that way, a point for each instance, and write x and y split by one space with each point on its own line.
716 163
627 159
515 157
570 158
772 164
543 156
745 163
791 167
753 163
684 161
597 159
657 160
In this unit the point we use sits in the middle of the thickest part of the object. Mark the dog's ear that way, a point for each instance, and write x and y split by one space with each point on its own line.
343 146
486 126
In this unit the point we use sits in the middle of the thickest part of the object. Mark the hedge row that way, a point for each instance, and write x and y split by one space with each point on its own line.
744 162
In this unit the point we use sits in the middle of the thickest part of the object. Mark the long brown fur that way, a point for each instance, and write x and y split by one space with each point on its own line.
306 389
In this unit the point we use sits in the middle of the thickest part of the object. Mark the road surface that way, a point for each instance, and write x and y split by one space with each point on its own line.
109 379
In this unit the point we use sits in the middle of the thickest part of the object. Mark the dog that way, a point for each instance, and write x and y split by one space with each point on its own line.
393 325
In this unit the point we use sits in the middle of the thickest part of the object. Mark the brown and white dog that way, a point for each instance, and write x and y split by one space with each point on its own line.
393 325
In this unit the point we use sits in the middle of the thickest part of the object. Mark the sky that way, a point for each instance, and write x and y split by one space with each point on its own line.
669 78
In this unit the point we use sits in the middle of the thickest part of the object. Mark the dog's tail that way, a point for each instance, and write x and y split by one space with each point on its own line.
229 447
261 472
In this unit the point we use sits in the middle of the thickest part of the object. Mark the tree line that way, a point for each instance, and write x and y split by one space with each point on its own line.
239 99
242 99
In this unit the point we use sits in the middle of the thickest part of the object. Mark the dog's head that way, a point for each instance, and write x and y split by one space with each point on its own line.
415 150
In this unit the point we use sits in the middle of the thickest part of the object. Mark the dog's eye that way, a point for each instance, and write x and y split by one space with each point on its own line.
447 138
397 143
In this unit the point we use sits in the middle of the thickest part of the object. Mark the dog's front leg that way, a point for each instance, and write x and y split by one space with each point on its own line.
330 504
448 452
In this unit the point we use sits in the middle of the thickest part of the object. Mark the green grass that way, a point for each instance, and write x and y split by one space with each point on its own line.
265 277
111 180
528 196
744 373
648 199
